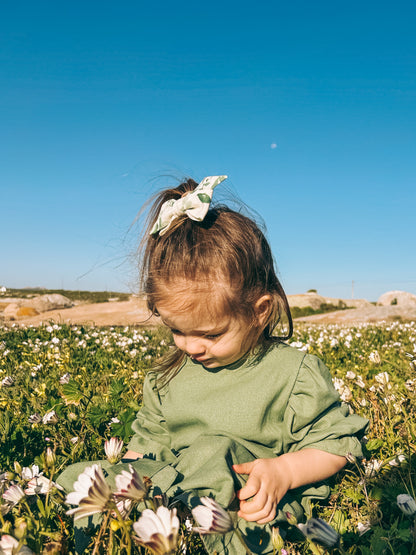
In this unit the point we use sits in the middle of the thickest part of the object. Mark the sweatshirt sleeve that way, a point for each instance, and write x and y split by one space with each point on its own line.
151 436
316 418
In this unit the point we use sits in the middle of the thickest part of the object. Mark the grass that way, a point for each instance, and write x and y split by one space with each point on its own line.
298 312
69 388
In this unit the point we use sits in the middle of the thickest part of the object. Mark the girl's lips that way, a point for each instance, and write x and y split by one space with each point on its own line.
201 360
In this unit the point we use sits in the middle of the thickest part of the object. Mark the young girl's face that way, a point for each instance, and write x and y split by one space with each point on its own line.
211 341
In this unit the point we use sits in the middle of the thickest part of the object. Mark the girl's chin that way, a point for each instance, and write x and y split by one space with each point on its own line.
207 363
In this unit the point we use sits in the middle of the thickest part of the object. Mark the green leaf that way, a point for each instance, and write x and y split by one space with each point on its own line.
354 494
203 197
374 444
116 389
41 507
98 414
340 522
378 542
123 428
404 535
376 493
71 393
5 425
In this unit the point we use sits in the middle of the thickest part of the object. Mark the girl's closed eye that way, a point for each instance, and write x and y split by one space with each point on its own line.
207 336
213 335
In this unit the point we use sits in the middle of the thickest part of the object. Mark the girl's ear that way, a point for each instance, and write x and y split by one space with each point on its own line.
262 308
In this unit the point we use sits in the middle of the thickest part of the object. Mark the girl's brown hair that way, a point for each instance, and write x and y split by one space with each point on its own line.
225 248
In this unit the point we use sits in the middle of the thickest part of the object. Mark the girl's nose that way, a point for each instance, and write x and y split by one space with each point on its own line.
193 346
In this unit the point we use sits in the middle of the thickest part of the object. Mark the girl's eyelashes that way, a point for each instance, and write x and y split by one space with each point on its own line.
207 336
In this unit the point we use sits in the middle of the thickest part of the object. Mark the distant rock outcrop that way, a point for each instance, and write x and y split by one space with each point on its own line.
306 299
24 308
13 311
315 301
52 301
400 298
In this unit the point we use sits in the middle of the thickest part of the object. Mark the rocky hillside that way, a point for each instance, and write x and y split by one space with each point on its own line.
393 305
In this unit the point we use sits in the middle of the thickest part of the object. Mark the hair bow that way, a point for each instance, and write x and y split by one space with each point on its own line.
195 205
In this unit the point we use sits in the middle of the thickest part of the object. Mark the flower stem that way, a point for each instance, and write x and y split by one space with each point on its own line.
126 531
314 548
103 527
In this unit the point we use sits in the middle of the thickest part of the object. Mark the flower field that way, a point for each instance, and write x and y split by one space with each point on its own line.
66 390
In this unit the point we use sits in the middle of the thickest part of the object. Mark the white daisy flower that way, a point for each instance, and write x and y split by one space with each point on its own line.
10 546
158 531
130 485
91 494
14 494
50 418
211 517
113 448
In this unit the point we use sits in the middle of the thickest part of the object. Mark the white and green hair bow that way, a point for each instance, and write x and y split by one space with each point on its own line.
195 205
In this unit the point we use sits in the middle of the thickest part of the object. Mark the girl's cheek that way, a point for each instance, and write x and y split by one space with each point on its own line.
178 342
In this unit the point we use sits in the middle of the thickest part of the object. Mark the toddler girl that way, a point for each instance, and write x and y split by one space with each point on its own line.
232 411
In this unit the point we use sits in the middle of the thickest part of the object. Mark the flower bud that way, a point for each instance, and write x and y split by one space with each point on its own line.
277 540
351 458
291 518
212 518
20 528
6 527
406 504
50 458
114 525
17 467
317 530
113 448
35 418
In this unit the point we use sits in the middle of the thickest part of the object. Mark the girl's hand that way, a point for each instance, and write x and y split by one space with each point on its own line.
131 456
266 484
270 479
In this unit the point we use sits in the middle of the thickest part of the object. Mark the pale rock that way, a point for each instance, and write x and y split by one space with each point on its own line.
306 299
52 301
14 311
399 298
25 308
314 300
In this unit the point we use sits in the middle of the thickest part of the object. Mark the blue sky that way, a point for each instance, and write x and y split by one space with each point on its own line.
308 107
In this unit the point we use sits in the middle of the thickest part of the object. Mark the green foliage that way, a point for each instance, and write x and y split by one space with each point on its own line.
84 296
298 312
71 388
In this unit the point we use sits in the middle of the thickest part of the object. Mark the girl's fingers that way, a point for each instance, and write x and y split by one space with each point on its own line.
244 468
257 504
250 489
261 514
269 517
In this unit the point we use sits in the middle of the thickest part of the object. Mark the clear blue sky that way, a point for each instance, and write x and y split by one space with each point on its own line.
309 107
